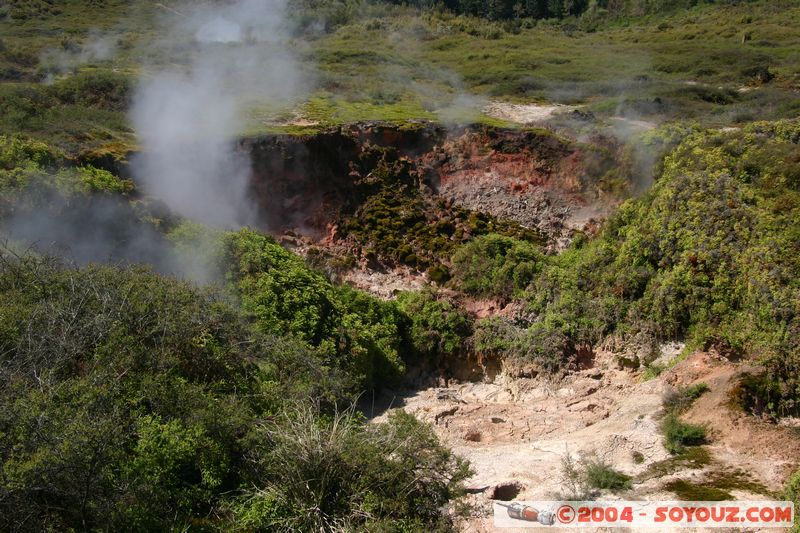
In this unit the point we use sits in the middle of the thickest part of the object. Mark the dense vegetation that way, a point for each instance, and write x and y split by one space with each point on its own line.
496 266
709 255
132 401
375 60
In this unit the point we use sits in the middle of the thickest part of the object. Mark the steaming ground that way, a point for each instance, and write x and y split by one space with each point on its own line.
99 46
188 115
188 111
82 230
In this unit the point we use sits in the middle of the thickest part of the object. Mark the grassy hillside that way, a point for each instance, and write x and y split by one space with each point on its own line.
640 67
719 64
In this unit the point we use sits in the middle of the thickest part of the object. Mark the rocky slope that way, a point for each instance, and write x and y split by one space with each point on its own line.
336 191
516 431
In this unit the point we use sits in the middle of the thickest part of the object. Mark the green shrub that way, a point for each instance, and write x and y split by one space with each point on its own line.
356 332
144 378
97 88
437 326
496 266
327 474
18 152
143 403
761 394
22 161
678 434
279 291
652 370
497 336
791 492
374 337
542 343
678 401
600 475
291 300
439 274
99 180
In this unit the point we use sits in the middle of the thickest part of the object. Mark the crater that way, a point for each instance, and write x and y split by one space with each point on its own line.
506 492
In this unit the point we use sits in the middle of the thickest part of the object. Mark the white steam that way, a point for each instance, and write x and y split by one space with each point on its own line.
188 116
96 48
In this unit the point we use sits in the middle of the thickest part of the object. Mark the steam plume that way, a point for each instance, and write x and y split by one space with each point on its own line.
187 116
96 48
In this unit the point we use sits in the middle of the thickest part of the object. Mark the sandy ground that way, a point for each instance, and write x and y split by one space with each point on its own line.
523 113
516 431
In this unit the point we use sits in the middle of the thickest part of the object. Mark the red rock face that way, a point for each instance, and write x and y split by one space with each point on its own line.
532 178
304 184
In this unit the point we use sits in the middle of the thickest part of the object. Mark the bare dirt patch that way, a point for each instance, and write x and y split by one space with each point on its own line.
766 450
386 284
525 427
634 125
515 432
524 113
